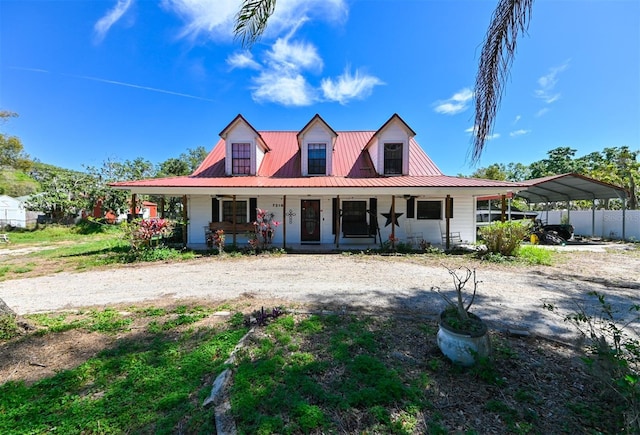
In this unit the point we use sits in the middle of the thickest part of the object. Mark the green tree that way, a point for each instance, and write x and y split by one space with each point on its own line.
193 157
173 167
518 172
63 193
12 153
509 19
110 172
496 171
560 161
619 166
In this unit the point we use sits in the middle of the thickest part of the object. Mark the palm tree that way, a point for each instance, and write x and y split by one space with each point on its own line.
498 50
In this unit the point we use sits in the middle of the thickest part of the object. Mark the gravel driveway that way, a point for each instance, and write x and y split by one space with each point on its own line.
509 297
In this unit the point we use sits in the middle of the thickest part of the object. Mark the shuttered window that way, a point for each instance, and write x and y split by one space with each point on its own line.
429 210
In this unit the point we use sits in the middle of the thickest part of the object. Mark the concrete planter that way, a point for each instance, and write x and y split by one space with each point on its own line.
463 347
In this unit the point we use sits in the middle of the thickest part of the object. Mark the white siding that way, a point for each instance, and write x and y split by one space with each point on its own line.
199 213
289 216
12 212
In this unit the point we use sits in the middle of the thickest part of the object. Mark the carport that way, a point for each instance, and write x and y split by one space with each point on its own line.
573 187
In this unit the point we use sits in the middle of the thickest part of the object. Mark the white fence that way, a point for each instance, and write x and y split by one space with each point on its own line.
606 223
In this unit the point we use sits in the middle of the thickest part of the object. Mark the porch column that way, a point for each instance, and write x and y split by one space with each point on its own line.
185 217
338 220
447 221
503 210
624 219
284 222
133 206
593 219
233 219
162 207
393 222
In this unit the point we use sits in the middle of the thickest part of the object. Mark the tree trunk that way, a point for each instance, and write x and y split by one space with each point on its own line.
5 310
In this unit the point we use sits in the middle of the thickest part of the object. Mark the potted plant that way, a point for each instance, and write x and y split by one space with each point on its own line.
462 336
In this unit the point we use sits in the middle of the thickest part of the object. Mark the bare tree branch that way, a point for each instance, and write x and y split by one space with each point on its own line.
498 52
251 20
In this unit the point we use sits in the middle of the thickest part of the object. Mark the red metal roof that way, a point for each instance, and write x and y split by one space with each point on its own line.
352 167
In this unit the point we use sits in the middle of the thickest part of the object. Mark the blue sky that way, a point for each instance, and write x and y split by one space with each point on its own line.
120 79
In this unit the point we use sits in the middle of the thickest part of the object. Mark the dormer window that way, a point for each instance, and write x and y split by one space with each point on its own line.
393 158
317 158
241 158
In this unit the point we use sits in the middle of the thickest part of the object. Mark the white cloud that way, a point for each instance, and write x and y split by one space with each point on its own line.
281 78
541 112
547 83
283 66
458 103
243 60
290 89
294 55
520 132
348 87
103 25
518 118
215 19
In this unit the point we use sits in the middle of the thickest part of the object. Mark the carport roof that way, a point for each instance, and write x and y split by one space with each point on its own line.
569 187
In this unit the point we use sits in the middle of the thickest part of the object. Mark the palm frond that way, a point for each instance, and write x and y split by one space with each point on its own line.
251 20
498 51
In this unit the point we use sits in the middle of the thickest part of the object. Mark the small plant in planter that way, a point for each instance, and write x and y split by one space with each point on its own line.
462 336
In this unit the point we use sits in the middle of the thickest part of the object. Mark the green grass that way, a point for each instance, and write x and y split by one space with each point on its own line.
151 384
88 245
293 381
535 255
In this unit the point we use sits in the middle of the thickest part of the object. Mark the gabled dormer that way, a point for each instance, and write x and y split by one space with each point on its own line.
316 141
244 148
389 147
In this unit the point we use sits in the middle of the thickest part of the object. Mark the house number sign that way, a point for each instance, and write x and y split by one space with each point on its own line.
277 205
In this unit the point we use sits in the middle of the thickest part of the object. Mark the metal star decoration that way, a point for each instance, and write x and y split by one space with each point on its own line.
389 215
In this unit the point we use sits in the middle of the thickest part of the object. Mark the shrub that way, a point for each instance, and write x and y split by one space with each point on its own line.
142 232
505 237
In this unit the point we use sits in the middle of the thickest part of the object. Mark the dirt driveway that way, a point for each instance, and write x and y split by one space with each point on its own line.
509 296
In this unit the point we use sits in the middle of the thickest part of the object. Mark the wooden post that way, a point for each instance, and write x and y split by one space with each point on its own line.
284 222
393 222
338 220
185 217
503 211
133 206
162 207
447 220
233 219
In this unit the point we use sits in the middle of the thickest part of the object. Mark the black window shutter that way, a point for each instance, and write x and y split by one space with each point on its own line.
373 216
411 208
334 214
215 210
253 205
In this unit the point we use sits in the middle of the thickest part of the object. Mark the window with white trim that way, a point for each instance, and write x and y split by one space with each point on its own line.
241 158
317 158
241 211
393 158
